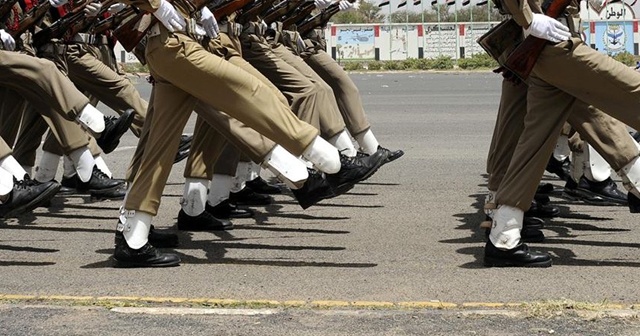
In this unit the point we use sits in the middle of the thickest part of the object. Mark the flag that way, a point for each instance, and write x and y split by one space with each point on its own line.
482 3
465 2
416 2
434 2
384 3
451 2
402 4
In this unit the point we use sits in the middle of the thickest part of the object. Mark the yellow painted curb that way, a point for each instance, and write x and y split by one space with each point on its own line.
373 304
428 305
483 305
330 303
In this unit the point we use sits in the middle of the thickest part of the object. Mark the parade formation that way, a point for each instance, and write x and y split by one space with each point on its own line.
268 96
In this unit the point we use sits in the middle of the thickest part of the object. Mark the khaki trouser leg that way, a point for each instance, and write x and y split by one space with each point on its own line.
206 147
608 136
40 83
331 122
582 73
5 150
184 71
547 110
345 90
114 90
12 106
227 162
509 125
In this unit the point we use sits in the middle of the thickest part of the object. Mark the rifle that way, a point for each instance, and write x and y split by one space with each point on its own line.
228 8
131 32
319 20
31 18
298 16
252 11
5 8
68 26
523 58
279 10
113 21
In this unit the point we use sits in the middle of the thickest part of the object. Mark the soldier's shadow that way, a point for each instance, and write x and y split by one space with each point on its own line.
566 230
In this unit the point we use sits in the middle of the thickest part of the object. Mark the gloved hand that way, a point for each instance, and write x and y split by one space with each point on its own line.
300 43
169 17
322 4
209 23
92 9
116 7
7 40
345 5
57 3
547 28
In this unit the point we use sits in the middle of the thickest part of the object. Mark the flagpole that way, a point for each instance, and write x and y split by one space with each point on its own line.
439 31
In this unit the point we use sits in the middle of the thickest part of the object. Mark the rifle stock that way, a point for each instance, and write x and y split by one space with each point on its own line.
31 18
298 16
280 10
523 58
251 12
320 19
113 21
229 8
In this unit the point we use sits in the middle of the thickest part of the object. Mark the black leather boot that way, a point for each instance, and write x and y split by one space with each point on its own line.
542 211
391 155
98 183
162 239
261 186
27 195
247 196
520 256
146 256
226 210
560 168
114 129
354 170
202 222
603 193
315 189
634 203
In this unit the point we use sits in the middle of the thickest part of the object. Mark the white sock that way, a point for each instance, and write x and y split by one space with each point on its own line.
219 189
243 173
68 169
103 166
84 162
48 167
92 118
135 226
6 182
194 196
505 230
254 171
324 156
286 167
368 143
10 164
562 150
342 141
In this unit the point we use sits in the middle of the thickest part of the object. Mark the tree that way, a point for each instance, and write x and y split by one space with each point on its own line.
368 12
431 14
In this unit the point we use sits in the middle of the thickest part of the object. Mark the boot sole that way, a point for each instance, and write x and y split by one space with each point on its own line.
493 262
132 264
41 199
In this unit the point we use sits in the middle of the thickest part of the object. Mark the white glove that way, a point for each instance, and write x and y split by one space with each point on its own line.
169 17
345 5
547 28
7 40
301 45
57 3
92 9
116 7
322 4
209 23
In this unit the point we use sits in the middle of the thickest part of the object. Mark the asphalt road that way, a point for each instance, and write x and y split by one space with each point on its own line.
410 233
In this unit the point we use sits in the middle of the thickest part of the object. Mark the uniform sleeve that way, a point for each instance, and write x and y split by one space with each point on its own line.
146 5
520 11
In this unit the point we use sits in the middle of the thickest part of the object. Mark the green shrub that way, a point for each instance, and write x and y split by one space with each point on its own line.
477 61
626 58
374 65
441 63
134 67
353 66
394 65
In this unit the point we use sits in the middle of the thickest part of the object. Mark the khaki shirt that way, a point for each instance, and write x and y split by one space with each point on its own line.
522 10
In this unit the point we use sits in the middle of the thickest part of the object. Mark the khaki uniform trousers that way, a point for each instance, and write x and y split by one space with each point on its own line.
311 100
219 127
565 76
5 150
184 73
40 83
606 134
345 90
